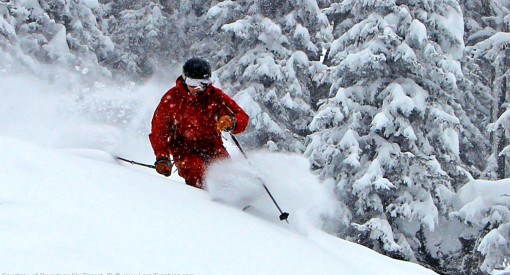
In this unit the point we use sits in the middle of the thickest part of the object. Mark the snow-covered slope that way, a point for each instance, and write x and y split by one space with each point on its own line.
67 206
81 211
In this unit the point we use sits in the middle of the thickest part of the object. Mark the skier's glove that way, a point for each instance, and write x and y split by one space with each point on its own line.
226 123
164 167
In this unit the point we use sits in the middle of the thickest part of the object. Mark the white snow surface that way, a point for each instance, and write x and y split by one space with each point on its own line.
67 206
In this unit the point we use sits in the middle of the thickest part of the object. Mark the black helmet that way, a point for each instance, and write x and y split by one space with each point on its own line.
197 68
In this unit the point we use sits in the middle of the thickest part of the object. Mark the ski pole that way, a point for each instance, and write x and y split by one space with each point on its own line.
283 215
136 163
139 163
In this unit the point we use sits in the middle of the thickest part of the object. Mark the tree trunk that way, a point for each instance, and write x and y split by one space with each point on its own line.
502 141
501 133
493 117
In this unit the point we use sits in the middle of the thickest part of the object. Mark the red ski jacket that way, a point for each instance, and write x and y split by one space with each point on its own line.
185 122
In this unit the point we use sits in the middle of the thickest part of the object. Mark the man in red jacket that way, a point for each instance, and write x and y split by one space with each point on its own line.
188 121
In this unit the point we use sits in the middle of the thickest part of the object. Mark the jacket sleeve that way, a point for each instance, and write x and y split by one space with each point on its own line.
233 109
162 124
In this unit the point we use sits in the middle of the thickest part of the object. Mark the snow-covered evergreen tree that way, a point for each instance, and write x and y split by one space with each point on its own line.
390 132
485 239
138 29
27 27
195 34
271 53
8 37
57 31
486 63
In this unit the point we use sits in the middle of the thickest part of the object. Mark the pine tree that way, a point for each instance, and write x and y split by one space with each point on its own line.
271 53
137 29
485 68
8 36
57 31
32 30
195 32
487 63
389 134
86 36
486 216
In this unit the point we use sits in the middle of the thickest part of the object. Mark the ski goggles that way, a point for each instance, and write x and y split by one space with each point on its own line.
197 82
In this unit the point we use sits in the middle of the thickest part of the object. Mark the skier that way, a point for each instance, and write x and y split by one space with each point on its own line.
188 121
